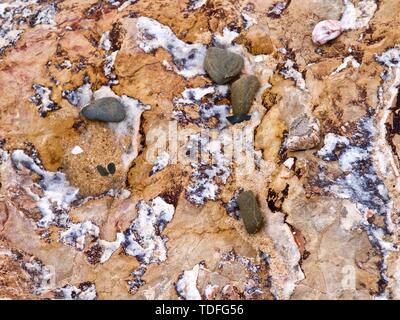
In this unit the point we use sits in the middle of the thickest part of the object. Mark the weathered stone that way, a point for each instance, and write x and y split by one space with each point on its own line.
222 65
304 133
250 212
105 109
257 40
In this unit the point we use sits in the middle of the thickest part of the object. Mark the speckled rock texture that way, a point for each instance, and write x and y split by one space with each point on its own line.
166 224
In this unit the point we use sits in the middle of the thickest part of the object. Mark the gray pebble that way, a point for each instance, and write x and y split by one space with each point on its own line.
222 65
243 92
105 109
250 212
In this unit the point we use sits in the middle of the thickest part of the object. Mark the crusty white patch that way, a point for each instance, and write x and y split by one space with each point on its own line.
188 58
76 150
195 4
105 42
42 99
109 247
248 20
15 14
346 61
358 16
289 163
76 234
79 97
86 291
161 162
57 196
205 99
186 286
210 291
41 275
204 185
109 57
226 38
289 72
143 238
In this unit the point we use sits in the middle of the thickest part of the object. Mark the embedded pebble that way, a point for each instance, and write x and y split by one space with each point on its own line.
222 65
289 162
103 171
76 150
111 168
105 109
326 30
243 92
250 212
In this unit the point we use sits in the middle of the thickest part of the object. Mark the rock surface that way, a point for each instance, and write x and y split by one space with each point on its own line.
166 224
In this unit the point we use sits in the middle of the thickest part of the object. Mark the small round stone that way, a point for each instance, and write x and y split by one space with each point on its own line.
105 109
111 168
222 65
243 92
250 212
103 171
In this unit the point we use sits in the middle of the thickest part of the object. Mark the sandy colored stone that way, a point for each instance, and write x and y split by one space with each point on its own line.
257 40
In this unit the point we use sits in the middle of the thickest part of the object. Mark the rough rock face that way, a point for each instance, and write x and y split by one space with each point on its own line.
166 223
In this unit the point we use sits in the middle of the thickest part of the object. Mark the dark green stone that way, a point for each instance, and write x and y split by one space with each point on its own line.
111 168
105 109
243 92
250 212
222 65
103 171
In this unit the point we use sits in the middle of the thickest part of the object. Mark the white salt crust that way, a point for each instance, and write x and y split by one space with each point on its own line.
186 286
143 238
70 292
195 4
357 16
161 162
76 150
57 192
76 234
188 58
346 61
42 99
109 57
289 72
14 15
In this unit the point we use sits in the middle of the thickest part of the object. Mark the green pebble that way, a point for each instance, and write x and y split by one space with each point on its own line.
222 65
243 92
103 171
105 109
250 212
